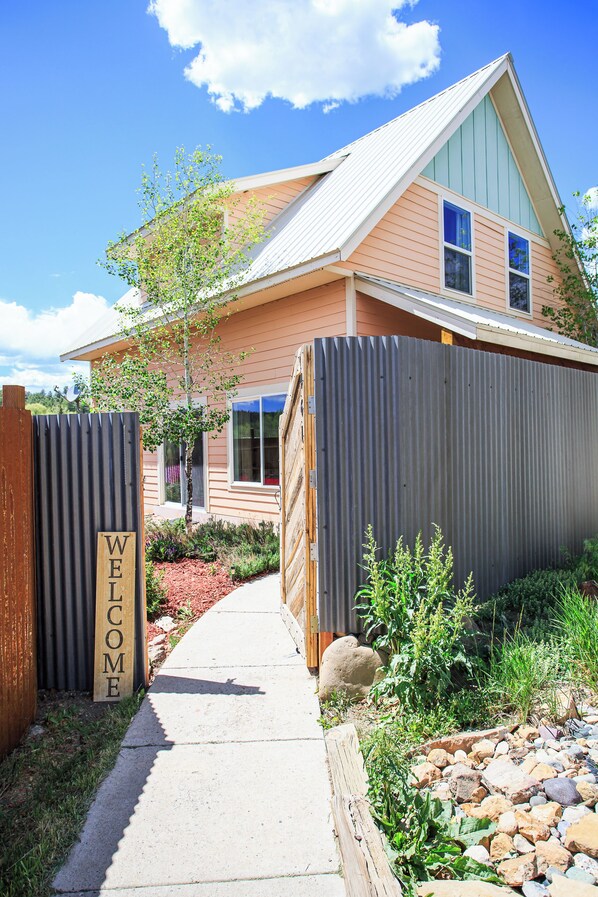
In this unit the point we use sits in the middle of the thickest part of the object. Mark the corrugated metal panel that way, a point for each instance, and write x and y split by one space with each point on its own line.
465 165
501 452
87 480
325 216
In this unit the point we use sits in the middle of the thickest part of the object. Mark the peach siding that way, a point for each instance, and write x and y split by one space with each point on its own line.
380 319
405 247
273 198
151 495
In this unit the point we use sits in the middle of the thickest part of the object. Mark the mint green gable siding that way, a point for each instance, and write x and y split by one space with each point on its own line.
477 162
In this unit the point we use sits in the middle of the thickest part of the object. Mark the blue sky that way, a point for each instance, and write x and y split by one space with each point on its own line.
90 90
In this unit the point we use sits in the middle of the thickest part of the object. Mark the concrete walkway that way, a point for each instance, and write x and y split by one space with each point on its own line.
221 788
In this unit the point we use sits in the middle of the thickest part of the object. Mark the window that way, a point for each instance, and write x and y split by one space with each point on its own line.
519 273
255 439
175 481
457 248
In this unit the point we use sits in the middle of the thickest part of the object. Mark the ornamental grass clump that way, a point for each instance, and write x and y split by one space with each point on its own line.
413 613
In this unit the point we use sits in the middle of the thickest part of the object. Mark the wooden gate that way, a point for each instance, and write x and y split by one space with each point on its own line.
298 561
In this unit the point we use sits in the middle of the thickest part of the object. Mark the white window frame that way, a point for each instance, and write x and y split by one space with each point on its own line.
161 486
465 207
508 270
247 394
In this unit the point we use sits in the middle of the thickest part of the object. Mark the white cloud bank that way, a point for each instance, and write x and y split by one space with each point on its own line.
30 342
302 51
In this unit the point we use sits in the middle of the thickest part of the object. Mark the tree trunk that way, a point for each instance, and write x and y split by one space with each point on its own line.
189 479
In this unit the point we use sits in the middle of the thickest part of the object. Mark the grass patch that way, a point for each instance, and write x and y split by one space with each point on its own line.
243 549
522 675
576 619
48 783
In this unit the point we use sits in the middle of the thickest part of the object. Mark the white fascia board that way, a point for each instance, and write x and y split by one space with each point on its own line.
254 286
359 235
434 314
535 344
270 178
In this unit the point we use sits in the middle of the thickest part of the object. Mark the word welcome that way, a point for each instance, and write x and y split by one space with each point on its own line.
115 617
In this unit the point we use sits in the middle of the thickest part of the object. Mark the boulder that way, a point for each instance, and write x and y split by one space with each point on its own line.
582 836
551 853
503 777
348 668
518 870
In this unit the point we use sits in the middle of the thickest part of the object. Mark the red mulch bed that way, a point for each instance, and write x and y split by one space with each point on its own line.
194 584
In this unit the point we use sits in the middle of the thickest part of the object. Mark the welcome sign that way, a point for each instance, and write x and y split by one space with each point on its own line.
115 617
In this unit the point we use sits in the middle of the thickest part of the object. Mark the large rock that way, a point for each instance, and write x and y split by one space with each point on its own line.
464 741
503 777
565 887
531 827
582 836
550 853
348 668
466 784
548 813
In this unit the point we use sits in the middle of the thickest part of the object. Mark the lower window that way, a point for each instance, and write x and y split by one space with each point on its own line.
255 440
175 481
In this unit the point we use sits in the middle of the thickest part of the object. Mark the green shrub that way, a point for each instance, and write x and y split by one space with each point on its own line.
522 673
577 622
155 591
413 613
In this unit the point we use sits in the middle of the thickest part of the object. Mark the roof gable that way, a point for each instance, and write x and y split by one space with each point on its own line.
478 163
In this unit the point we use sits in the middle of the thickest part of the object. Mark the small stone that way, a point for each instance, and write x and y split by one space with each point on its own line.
501 749
564 887
533 889
478 853
528 733
518 870
583 861
563 791
548 813
552 854
531 827
576 874
562 828
575 750
537 800
582 836
543 771
466 785
550 732
522 845
425 774
158 639
501 847
494 806
460 756
552 873
442 791
589 778
439 757
553 744
503 777
574 814
166 623
36 731
482 749
507 824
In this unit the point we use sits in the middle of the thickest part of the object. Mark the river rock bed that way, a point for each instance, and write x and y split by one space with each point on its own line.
539 786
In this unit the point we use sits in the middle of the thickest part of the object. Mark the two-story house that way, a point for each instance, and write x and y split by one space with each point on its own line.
438 225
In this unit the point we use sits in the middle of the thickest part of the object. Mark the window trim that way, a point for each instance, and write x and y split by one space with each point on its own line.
247 394
518 311
465 207
162 503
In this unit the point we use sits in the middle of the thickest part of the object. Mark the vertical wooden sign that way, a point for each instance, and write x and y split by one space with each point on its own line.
115 617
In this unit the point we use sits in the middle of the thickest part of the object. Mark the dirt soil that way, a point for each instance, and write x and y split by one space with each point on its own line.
193 587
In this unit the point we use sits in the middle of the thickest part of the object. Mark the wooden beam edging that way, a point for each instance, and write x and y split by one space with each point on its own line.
365 865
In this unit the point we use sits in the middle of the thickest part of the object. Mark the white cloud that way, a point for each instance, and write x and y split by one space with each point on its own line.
591 197
303 51
30 342
47 333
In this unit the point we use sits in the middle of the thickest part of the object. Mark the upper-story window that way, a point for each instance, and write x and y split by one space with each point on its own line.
457 248
519 273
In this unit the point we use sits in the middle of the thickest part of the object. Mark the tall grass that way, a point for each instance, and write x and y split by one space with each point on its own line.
577 623
522 673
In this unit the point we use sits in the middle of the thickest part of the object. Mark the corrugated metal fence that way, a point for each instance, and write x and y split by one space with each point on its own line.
500 452
17 587
87 479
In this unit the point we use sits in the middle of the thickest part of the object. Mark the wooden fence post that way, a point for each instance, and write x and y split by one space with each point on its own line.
18 671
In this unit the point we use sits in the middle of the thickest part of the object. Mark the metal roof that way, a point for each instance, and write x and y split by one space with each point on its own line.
474 321
355 187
